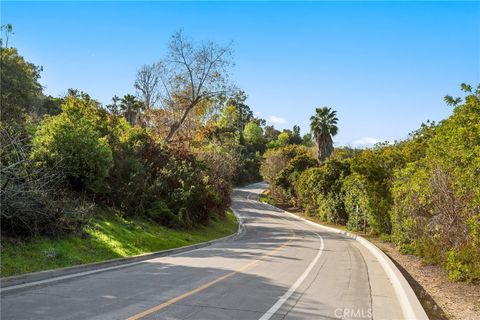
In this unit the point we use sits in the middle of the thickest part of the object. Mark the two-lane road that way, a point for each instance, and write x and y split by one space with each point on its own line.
277 268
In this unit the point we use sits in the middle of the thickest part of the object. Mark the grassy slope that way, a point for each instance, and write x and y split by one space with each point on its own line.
108 238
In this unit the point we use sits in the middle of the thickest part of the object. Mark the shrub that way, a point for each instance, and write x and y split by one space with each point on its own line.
306 192
136 162
73 140
275 161
320 190
161 213
376 168
288 176
248 168
185 187
438 197
356 202
34 200
221 165
128 185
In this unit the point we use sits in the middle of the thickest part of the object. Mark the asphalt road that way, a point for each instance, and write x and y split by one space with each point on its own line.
277 268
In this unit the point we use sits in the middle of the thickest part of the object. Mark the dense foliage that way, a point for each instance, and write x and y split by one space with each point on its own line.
436 213
61 157
172 160
423 193
156 155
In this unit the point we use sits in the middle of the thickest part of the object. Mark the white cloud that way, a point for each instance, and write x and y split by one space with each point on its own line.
276 120
366 141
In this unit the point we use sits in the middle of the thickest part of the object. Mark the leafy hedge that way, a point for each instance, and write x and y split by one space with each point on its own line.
423 192
437 208
320 191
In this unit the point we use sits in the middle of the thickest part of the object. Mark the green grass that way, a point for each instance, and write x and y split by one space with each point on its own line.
109 237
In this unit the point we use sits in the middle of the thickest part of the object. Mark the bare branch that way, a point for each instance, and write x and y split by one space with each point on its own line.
190 74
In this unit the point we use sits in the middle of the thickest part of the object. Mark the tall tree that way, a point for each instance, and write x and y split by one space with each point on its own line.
190 74
147 85
284 138
271 133
253 133
295 138
114 107
245 114
8 29
324 126
307 140
21 92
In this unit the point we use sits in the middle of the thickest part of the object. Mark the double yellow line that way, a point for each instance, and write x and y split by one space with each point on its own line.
209 284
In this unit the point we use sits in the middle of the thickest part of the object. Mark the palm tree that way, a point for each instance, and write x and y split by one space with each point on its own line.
324 126
131 108
114 107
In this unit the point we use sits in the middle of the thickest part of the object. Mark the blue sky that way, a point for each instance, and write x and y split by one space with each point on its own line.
384 66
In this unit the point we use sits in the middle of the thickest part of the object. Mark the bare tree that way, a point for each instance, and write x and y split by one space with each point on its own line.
33 199
8 28
190 74
147 85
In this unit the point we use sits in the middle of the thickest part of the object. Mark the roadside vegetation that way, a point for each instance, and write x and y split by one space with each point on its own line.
109 236
161 160
422 193
165 157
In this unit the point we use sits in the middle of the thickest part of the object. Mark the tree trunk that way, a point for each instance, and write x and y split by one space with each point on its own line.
325 147
177 124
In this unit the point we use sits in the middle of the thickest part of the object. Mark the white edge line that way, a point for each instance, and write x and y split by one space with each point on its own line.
404 301
267 315
69 276
281 301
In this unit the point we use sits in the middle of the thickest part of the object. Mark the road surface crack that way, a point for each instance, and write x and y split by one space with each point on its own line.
369 285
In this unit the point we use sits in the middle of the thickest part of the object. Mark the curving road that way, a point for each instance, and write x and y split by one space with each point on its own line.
278 267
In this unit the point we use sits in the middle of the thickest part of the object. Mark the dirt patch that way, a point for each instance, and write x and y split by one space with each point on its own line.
440 297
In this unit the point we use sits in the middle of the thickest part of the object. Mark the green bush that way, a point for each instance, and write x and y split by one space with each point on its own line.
34 201
437 196
275 161
464 264
287 177
74 142
185 186
375 168
356 202
128 185
161 213
137 160
306 193
320 192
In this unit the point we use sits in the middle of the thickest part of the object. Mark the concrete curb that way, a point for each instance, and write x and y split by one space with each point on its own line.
28 280
411 306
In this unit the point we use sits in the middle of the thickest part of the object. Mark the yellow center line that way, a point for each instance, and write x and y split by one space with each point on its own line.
208 284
